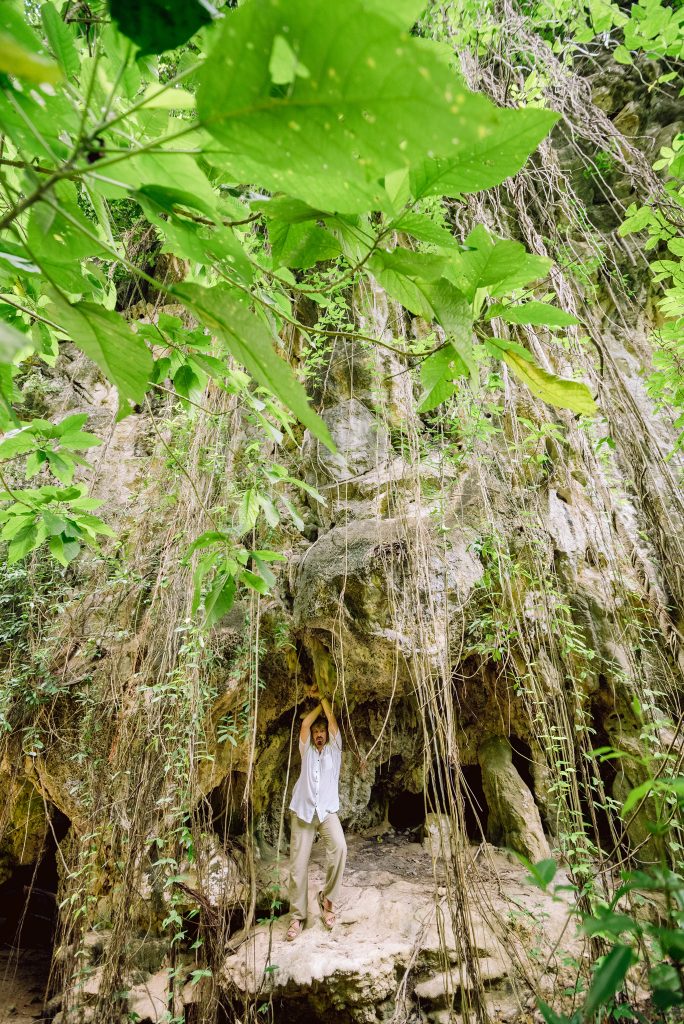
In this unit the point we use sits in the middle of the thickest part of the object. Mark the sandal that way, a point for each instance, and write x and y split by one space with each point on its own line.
294 930
327 916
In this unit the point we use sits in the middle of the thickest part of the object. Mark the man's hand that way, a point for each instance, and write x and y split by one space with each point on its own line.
313 691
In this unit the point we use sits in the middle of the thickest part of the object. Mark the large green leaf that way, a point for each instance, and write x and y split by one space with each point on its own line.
422 227
40 125
21 52
60 236
175 176
536 313
301 245
61 39
12 341
106 338
15 60
250 341
210 246
487 162
450 307
375 99
404 12
608 978
405 290
438 373
494 264
159 25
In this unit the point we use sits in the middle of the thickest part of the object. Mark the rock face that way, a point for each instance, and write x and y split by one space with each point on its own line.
386 953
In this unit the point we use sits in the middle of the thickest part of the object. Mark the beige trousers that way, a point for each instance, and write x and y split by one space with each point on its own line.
301 842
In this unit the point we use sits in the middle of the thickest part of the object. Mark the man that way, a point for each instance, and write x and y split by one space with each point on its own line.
314 806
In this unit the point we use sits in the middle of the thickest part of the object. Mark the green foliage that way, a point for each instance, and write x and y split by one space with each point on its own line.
346 118
663 939
662 223
159 25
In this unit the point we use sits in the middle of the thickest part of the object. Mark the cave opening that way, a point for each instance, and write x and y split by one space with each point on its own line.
28 898
522 761
444 790
601 772
406 811
28 924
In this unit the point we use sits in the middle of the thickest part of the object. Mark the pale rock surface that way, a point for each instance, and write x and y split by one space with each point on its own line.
386 948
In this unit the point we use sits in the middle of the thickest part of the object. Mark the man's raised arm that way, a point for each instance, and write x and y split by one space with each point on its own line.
307 722
333 727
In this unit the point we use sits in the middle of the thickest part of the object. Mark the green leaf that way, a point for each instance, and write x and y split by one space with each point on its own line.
63 551
404 12
405 290
62 468
220 598
286 209
250 341
61 236
17 443
671 942
537 313
608 978
485 163
558 391
550 1016
450 308
376 100
188 385
16 60
542 873
610 925
636 795
249 510
254 582
105 338
621 55
493 264
173 98
165 177
437 374
28 539
666 986
12 342
422 227
283 65
301 245
60 39
159 25
79 441
263 570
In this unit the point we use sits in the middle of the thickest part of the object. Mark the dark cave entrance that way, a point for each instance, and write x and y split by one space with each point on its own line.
28 923
406 811
28 899
523 761
475 807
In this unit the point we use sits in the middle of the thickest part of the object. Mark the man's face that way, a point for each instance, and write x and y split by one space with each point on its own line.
319 734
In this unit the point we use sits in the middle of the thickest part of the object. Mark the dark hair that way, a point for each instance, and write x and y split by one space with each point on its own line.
320 723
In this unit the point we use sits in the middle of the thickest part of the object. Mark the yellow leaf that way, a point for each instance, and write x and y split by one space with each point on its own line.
567 394
15 60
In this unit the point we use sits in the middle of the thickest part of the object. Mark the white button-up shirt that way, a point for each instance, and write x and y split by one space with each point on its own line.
316 789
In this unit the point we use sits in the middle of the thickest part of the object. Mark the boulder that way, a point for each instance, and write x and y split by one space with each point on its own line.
513 815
